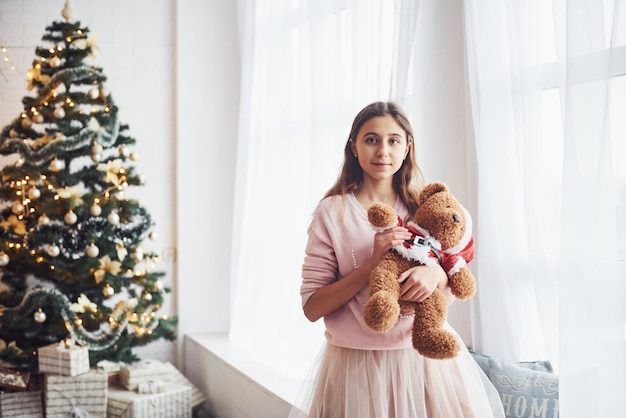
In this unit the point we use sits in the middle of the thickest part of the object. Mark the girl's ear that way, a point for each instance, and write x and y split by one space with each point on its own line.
408 148
352 146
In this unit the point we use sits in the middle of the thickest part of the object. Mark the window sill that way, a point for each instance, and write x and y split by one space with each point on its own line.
233 382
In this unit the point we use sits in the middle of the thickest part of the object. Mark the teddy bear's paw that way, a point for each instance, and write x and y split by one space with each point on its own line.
438 344
462 290
381 215
381 311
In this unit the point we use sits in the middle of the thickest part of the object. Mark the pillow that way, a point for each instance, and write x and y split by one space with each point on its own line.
540 365
527 389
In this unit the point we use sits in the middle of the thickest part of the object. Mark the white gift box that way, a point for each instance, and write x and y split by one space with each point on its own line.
82 395
131 376
64 358
21 404
197 397
172 402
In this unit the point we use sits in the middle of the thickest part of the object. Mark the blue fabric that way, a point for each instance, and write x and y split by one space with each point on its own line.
527 389
485 361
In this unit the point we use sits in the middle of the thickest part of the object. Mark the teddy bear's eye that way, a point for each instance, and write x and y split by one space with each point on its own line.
455 218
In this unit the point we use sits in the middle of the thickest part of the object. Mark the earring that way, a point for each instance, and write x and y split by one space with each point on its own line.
355 154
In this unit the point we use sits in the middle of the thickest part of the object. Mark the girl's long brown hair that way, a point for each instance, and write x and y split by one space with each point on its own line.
407 181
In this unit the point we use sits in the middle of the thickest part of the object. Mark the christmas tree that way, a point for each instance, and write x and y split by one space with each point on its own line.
72 258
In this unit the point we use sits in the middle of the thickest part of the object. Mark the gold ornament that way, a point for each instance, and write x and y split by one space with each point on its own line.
39 316
113 218
96 148
108 290
70 217
17 208
59 113
4 259
55 62
93 250
56 165
53 250
68 11
34 193
95 210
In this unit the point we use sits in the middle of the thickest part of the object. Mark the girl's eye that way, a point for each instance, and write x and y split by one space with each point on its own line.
394 141
370 140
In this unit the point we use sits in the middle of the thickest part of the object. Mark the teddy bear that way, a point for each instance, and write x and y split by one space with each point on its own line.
441 231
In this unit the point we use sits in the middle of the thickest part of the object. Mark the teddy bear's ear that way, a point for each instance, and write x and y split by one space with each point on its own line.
430 189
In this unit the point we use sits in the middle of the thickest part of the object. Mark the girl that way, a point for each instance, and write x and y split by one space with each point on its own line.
363 373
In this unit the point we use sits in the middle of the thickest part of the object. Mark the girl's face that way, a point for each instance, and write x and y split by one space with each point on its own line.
380 146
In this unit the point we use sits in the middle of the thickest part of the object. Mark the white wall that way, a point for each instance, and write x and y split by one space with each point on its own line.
207 115
441 121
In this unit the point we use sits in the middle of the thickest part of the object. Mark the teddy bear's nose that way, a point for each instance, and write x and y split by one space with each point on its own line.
455 218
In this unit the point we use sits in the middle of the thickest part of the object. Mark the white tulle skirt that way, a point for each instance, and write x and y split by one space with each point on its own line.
348 383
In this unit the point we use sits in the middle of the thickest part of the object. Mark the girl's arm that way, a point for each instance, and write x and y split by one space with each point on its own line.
334 295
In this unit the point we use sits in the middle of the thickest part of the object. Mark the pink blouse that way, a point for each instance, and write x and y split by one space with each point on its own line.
340 239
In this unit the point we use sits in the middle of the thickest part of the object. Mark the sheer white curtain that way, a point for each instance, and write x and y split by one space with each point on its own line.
514 234
592 281
561 183
308 68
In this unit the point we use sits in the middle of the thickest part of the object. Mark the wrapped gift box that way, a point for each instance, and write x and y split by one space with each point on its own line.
173 402
112 369
82 395
13 379
197 398
131 376
21 404
64 358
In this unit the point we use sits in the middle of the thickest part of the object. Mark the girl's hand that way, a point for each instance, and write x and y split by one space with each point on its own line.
419 282
384 241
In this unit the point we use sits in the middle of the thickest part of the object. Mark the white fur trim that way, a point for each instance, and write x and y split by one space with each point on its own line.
460 263
417 253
